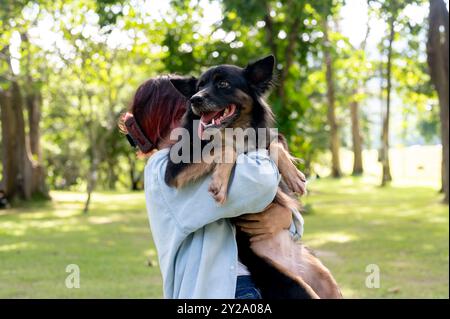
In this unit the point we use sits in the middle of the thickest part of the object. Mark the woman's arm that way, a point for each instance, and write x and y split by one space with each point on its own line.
272 220
252 188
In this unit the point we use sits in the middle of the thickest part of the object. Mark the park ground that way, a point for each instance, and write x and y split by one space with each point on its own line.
353 225
350 223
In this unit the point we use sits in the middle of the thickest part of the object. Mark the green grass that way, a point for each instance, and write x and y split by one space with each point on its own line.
111 245
404 230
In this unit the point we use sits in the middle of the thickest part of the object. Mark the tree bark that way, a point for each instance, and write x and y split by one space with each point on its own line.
331 112
34 102
289 57
18 166
438 59
92 155
135 175
10 161
112 176
386 174
356 139
91 183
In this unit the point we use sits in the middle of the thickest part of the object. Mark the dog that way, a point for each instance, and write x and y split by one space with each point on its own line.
228 96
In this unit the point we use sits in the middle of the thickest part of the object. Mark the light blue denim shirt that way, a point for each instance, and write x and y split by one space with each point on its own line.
193 235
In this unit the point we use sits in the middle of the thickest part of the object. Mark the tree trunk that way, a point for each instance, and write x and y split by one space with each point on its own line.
34 117
437 49
331 113
357 139
18 166
10 161
91 183
289 58
92 155
134 175
34 102
386 174
112 176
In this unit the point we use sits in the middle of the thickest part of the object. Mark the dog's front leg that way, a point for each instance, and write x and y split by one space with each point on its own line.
221 175
294 179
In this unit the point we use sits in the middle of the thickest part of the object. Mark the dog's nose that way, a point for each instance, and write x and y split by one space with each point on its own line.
196 100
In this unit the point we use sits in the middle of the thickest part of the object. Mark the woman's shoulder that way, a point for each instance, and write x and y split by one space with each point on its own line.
158 157
157 162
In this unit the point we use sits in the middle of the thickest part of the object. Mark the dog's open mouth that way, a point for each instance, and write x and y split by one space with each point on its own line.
215 119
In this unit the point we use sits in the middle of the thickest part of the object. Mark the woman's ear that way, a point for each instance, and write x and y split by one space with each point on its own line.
185 85
260 73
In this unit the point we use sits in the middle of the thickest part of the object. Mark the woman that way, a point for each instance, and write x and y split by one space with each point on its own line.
194 237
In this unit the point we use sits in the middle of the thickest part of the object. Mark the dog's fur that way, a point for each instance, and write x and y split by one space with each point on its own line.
280 267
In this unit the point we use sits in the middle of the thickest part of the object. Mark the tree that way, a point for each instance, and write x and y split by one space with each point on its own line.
291 30
357 139
437 49
386 176
335 143
22 176
23 173
389 10
358 168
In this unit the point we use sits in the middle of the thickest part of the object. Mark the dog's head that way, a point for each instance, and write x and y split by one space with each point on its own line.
224 95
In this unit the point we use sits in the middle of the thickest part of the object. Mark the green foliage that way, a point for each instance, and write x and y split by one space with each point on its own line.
86 79
429 124
91 62
270 26
108 11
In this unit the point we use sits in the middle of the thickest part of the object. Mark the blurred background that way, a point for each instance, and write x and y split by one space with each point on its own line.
362 96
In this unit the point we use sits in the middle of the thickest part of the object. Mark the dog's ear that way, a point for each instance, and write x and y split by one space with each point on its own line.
260 73
185 85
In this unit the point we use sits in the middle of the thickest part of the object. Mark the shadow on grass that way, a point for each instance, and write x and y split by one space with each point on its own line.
112 246
403 230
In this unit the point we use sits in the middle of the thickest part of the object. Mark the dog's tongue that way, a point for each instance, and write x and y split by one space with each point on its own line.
207 117
205 120
200 130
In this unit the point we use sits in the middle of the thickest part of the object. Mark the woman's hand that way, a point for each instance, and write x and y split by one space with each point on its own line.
264 225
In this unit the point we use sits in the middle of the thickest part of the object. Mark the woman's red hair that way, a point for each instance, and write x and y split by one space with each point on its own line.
157 108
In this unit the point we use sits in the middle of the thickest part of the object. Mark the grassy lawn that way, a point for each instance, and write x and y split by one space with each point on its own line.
402 230
111 245
351 224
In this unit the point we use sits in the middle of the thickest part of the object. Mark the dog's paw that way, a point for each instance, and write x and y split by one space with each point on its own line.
218 190
296 181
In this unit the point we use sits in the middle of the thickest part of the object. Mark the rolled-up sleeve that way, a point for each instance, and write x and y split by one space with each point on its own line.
296 228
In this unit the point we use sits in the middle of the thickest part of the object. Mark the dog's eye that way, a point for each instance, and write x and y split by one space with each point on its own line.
223 84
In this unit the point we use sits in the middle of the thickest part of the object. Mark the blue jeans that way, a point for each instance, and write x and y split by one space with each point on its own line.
246 289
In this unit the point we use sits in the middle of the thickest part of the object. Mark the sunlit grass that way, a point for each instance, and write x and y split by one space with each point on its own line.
352 223
403 230
112 246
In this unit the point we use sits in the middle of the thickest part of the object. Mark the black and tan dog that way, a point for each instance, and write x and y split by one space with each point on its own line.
227 96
